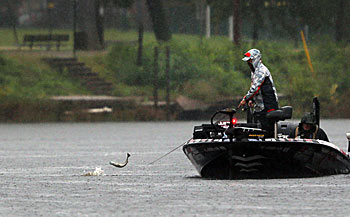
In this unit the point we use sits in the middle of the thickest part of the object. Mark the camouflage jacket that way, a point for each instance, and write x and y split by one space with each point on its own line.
262 90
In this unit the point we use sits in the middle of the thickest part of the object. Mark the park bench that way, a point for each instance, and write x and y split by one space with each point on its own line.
45 40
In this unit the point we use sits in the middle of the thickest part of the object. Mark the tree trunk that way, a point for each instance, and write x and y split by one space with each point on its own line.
155 78
140 43
139 18
237 22
167 80
89 23
339 25
13 21
207 21
99 12
159 20
258 19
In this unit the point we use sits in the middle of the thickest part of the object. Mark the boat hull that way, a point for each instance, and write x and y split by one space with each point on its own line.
269 158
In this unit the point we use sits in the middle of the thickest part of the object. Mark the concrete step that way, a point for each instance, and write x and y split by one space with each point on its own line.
95 80
101 90
84 74
52 60
97 83
77 69
69 64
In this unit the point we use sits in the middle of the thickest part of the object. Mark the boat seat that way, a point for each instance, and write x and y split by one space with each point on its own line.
281 114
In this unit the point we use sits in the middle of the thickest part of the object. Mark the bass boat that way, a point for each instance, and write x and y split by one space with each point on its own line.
225 149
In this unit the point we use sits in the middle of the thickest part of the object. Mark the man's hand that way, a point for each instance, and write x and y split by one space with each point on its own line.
250 103
242 103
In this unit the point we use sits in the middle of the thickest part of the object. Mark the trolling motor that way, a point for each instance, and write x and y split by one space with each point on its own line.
231 131
228 111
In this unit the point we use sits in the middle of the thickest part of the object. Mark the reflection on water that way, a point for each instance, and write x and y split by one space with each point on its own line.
42 167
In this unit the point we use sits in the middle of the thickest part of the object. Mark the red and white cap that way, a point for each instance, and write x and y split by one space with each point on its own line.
252 54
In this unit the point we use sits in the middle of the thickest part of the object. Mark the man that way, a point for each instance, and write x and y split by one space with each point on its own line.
262 93
307 129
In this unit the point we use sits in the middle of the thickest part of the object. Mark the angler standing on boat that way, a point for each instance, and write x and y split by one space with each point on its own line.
262 93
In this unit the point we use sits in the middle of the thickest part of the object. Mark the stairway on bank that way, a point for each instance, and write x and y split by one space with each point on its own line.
84 74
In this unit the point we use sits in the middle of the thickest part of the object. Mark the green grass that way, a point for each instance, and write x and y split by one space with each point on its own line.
26 77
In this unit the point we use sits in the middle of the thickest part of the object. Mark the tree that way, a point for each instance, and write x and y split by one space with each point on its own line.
237 21
88 20
159 20
225 8
13 18
339 23
255 8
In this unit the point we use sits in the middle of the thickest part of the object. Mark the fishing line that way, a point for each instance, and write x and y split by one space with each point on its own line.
169 152
174 149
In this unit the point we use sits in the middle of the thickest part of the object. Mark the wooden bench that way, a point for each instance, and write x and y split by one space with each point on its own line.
44 40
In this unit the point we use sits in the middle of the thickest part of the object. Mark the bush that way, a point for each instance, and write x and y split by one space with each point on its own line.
192 63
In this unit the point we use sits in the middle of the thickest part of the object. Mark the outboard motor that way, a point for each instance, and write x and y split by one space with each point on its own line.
348 137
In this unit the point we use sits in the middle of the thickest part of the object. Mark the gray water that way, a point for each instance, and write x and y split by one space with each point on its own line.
42 167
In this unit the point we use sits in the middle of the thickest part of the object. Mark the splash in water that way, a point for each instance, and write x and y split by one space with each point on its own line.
98 172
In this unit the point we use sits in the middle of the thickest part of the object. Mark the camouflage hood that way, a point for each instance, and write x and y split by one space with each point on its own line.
254 55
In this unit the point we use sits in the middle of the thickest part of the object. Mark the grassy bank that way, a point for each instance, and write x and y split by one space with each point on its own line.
202 69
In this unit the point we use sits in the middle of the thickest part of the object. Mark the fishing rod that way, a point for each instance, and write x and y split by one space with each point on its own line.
168 152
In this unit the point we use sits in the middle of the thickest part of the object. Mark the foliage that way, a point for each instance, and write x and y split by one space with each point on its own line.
192 62
211 69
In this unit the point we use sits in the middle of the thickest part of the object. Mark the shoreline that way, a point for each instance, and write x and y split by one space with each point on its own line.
120 109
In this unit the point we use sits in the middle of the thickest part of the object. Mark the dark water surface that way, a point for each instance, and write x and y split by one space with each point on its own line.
42 167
